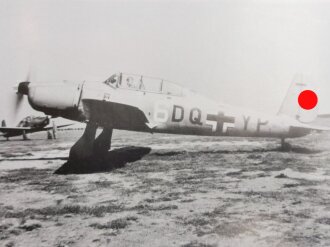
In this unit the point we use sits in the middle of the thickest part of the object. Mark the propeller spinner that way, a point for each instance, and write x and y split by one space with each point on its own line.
23 88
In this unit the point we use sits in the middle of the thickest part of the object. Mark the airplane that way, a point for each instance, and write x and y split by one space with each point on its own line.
30 124
147 104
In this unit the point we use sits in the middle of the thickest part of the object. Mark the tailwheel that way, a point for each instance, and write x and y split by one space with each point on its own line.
285 146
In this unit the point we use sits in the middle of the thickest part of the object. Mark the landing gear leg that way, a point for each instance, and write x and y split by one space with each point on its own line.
89 154
24 136
102 144
92 155
54 130
83 148
87 148
49 135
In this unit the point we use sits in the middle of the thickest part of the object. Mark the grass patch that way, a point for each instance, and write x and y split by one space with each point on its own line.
324 221
40 179
197 244
25 174
146 208
96 211
102 184
117 224
30 227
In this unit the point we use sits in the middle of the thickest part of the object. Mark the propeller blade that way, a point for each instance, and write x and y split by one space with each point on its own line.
21 89
18 103
28 76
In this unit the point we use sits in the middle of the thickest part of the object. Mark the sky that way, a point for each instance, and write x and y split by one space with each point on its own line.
243 53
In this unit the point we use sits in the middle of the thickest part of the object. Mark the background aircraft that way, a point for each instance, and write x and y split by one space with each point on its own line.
30 124
147 104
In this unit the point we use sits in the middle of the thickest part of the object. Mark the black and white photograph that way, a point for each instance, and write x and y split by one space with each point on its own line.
170 123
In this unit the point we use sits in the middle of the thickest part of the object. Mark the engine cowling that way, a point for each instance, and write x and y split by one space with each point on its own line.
61 99
55 96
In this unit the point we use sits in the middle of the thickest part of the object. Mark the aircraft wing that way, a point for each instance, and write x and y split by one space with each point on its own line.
14 131
7 129
17 131
115 114
58 126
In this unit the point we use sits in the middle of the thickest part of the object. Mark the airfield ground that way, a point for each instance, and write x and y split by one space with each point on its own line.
189 191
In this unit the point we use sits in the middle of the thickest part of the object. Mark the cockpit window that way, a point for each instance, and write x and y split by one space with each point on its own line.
113 80
132 82
144 84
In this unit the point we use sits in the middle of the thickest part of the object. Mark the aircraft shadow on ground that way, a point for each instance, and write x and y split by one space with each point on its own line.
120 157
299 150
114 159
291 149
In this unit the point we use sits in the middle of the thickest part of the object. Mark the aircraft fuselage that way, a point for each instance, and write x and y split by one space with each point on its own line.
189 113
167 108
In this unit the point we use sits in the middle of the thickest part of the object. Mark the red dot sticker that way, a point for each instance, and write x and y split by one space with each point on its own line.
308 99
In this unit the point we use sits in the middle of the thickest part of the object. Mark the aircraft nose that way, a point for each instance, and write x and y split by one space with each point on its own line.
23 88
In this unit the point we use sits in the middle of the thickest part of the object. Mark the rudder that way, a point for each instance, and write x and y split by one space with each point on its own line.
290 106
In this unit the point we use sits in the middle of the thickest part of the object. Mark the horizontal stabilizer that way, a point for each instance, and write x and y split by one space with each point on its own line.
319 127
313 126
322 120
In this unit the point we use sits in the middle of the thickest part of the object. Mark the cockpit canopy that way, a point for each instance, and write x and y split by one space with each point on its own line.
144 83
33 121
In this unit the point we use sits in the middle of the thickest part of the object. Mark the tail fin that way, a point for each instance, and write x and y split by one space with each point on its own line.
290 106
3 123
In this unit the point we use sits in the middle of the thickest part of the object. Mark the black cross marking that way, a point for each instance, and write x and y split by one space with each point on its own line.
220 119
